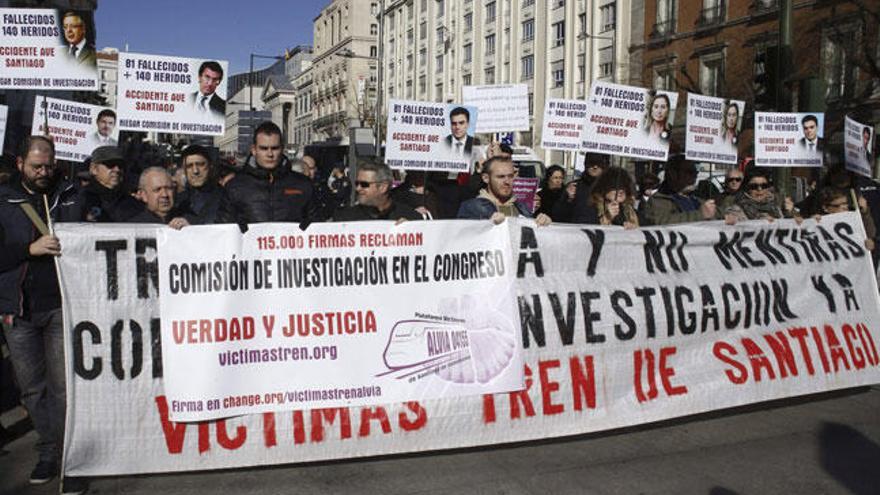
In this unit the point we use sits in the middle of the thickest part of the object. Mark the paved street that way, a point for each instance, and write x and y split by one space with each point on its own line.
826 444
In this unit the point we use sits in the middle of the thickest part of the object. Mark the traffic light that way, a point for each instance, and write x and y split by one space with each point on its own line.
764 83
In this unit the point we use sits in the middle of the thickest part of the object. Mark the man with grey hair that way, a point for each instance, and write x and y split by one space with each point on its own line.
373 187
156 191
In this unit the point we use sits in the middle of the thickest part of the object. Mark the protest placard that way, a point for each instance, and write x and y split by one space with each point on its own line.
789 139
430 136
4 112
619 328
502 107
629 121
563 124
418 311
76 128
859 147
171 94
47 49
524 190
713 128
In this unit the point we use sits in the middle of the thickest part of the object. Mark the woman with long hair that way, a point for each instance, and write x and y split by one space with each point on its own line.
551 190
729 121
614 198
657 116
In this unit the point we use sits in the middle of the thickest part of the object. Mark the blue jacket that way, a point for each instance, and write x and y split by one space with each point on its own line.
18 269
482 209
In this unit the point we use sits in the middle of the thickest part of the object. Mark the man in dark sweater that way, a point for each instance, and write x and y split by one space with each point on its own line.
30 299
373 186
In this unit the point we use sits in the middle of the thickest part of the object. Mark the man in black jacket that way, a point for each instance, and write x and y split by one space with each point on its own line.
266 189
30 299
373 186
156 190
106 199
202 193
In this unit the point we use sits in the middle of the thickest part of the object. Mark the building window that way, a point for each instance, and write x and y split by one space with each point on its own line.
608 16
423 57
468 22
712 74
531 103
440 8
438 92
409 88
528 67
466 80
374 9
667 13
468 53
409 37
490 45
606 62
664 78
440 32
423 30
582 23
489 76
439 65
528 3
374 29
558 77
423 84
490 12
528 29
374 52
424 6
582 71
839 71
559 32
712 13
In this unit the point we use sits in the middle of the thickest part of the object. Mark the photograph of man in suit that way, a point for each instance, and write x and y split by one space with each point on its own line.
811 140
459 141
205 99
105 122
75 35
866 143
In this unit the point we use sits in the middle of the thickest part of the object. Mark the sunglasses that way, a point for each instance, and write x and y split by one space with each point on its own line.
363 184
759 186
734 179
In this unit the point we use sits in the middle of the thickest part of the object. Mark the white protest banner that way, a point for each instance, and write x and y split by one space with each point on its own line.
858 142
503 107
618 330
563 124
292 319
171 94
789 139
430 136
628 121
76 128
47 49
713 127
4 112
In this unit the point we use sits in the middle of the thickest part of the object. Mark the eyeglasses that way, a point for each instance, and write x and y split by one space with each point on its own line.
759 186
734 179
362 184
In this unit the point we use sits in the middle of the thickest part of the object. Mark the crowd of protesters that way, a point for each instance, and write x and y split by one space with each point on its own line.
268 187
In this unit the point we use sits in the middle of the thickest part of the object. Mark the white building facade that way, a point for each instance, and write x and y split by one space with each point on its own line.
556 47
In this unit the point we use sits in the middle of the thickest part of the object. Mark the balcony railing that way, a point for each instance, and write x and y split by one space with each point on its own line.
663 29
711 16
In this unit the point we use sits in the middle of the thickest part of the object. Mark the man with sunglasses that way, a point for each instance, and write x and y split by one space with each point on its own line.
373 188
106 197
30 298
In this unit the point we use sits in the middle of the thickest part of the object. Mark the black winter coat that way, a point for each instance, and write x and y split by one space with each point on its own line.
257 195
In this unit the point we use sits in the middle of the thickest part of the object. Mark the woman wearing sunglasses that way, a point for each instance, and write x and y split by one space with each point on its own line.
757 199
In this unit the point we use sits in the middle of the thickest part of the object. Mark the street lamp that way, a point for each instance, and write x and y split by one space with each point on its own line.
348 53
251 76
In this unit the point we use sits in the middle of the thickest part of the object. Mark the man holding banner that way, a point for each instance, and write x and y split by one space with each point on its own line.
30 299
